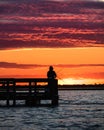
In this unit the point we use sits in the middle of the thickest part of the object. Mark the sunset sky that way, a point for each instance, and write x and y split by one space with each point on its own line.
68 34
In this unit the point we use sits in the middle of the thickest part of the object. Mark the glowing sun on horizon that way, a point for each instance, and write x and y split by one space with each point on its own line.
73 81
70 81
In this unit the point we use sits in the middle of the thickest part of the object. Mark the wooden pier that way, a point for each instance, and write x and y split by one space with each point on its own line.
33 91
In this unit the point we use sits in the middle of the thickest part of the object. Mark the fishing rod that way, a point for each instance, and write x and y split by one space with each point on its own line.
59 76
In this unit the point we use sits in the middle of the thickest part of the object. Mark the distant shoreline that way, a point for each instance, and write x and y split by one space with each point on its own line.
81 87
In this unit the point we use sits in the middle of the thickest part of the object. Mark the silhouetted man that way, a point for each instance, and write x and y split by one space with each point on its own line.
51 89
51 74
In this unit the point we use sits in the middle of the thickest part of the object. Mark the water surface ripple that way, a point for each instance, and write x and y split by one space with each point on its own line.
77 110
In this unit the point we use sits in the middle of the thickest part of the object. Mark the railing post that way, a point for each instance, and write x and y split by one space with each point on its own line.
14 93
35 87
30 88
7 102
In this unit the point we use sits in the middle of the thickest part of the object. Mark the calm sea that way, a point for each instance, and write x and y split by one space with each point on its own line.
77 110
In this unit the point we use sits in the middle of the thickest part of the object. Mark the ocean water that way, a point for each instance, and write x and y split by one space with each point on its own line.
77 110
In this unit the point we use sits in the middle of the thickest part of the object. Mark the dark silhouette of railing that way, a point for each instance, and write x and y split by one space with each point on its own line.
31 90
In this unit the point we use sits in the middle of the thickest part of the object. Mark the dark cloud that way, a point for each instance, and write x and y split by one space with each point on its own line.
43 23
5 44
28 66
79 65
19 66
45 6
94 4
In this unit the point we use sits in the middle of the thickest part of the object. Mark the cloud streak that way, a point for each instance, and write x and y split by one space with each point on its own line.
78 65
19 66
51 23
29 66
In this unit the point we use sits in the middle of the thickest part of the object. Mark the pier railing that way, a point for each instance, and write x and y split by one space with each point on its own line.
31 90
